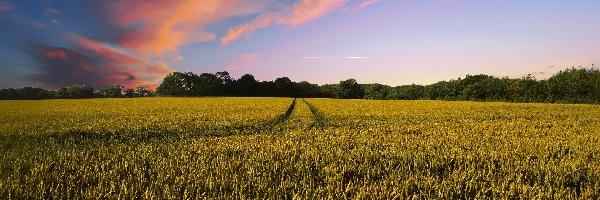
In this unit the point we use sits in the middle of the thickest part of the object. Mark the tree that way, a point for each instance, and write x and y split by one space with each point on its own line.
247 85
407 92
266 89
24 93
376 91
576 85
78 92
129 93
571 85
176 84
306 89
140 91
349 89
227 83
208 85
328 90
112 91
285 87
61 93
483 87
438 91
525 89
8 93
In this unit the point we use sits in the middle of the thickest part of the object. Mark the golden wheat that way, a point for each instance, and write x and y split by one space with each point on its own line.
251 148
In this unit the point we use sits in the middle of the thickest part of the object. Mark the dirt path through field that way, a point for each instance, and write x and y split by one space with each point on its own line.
319 117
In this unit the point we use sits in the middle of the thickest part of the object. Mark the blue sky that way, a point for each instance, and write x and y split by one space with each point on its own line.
52 43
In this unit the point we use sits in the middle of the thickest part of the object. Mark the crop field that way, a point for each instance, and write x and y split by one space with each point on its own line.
240 148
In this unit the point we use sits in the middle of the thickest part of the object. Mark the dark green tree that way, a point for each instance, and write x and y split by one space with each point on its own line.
227 83
140 91
376 91
129 93
78 92
575 85
247 85
176 84
306 89
285 87
8 93
328 90
483 87
349 89
207 85
112 91
407 92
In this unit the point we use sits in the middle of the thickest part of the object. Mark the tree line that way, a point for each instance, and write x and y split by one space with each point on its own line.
572 85
73 92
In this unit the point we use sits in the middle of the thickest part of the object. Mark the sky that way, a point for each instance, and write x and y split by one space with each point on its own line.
55 43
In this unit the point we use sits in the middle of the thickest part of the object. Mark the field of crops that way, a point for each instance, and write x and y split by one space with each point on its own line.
297 148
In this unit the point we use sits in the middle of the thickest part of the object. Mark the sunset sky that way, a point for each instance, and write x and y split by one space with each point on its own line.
52 43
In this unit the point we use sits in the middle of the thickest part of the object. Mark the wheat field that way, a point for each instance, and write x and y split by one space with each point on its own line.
248 148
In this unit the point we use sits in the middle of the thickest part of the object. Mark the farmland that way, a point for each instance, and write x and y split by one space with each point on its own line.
290 148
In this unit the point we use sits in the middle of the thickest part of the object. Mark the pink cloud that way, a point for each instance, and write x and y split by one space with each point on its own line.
152 30
360 6
308 10
302 12
147 73
177 58
163 25
66 56
246 60
245 30
56 54
61 66
337 57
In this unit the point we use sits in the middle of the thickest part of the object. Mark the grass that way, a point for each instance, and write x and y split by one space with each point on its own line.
243 148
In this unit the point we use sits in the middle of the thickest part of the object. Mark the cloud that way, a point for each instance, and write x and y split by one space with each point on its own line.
57 54
146 72
78 60
5 6
148 32
336 57
56 21
37 24
308 10
61 66
92 63
51 11
131 41
302 12
177 58
246 60
360 6
245 30
159 27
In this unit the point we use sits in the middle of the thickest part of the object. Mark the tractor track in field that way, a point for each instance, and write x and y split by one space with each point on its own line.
280 124
274 125
125 136
319 117
281 118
